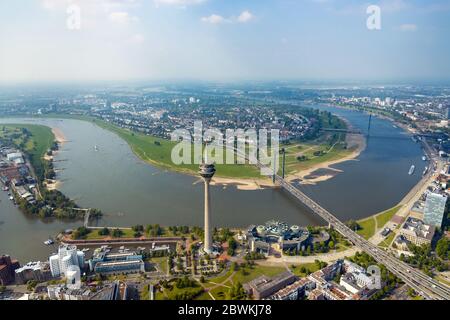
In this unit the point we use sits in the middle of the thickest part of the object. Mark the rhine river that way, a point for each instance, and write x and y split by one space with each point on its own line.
131 192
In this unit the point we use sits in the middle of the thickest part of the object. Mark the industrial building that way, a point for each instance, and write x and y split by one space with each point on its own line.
104 262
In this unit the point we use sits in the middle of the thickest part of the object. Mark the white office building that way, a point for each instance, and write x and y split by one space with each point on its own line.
54 266
66 257
81 258
73 277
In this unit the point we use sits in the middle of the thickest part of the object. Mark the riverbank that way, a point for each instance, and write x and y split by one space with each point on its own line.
355 142
243 177
60 139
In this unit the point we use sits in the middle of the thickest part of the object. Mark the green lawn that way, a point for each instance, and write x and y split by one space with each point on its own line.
93 235
161 262
255 272
158 152
387 242
311 267
367 227
250 273
384 217
330 153
170 294
217 280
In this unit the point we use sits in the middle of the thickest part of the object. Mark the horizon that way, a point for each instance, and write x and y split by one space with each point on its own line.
323 41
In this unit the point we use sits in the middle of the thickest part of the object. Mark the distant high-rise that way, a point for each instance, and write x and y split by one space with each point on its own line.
207 171
434 209
448 113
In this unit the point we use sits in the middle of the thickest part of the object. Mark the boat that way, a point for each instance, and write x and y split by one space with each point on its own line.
425 171
96 148
411 170
5 188
424 158
49 242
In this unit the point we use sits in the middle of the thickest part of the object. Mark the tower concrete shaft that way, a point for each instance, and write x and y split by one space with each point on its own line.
207 171
208 235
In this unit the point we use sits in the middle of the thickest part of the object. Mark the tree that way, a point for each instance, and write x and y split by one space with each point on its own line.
232 245
138 228
104 232
331 244
31 285
117 233
237 292
352 224
442 248
80 233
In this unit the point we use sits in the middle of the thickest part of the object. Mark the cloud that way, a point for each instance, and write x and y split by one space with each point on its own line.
408 27
245 16
214 19
122 17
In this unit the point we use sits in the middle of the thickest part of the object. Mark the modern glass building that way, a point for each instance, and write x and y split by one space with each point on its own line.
435 209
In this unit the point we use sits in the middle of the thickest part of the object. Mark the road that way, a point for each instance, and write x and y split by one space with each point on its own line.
421 283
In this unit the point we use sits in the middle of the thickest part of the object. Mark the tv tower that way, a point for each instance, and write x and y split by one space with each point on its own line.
207 171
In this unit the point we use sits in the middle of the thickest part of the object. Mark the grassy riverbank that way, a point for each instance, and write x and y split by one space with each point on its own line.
37 142
157 152
35 145
370 225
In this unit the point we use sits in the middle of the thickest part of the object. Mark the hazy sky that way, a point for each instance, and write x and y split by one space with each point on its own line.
224 40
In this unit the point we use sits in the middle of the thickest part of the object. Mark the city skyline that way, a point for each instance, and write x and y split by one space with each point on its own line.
219 41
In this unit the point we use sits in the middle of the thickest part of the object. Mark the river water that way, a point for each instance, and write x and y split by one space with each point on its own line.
131 192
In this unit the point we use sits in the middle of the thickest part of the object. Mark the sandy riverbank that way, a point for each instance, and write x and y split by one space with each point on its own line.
243 184
59 135
61 139
357 142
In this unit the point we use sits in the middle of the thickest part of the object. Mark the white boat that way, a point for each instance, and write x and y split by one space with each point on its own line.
96 148
425 171
49 242
424 158
411 170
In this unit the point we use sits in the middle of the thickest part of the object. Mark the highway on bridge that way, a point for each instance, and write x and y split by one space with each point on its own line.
421 283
